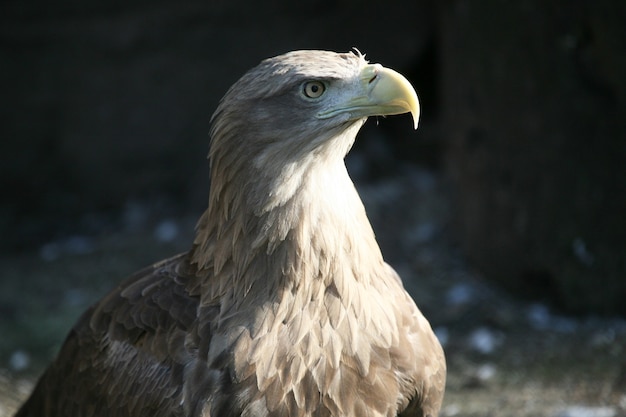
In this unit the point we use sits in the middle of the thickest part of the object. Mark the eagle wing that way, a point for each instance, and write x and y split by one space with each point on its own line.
126 356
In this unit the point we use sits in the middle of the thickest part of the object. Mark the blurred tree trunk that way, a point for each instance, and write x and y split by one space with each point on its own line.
534 107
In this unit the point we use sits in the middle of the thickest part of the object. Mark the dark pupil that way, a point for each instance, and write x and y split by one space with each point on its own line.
315 88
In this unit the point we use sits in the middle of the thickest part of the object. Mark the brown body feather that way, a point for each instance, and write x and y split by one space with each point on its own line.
283 307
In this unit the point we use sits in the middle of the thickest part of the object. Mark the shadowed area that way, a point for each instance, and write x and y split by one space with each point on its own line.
514 177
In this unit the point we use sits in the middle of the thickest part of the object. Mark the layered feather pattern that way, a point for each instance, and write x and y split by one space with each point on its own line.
284 306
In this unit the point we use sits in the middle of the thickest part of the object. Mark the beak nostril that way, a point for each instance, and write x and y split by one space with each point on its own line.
373 79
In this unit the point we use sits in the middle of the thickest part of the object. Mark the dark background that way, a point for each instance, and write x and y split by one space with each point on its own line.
106 105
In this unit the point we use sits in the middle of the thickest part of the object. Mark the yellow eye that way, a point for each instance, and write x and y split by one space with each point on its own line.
313 89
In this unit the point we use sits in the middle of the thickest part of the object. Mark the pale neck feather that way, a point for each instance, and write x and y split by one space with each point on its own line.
301 226
296 267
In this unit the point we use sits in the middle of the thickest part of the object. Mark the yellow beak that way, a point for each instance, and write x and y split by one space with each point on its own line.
379 91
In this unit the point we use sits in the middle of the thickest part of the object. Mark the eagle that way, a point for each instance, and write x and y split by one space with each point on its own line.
284 305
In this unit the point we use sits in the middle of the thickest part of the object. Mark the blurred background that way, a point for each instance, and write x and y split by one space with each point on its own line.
505 212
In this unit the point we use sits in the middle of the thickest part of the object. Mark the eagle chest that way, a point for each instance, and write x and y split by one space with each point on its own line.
316 361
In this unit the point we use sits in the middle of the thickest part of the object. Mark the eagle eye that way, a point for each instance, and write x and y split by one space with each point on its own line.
313 89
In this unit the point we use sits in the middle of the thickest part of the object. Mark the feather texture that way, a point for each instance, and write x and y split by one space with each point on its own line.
284 306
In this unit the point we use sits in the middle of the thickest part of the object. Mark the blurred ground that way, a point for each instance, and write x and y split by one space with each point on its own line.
506 357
